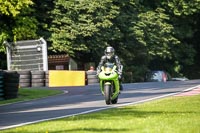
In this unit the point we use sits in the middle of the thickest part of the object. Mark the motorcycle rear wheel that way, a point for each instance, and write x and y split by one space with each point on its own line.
107 92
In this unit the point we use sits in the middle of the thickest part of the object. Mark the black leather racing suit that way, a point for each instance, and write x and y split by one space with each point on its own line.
116 61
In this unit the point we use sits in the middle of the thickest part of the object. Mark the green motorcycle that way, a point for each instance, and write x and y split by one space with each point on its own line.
109 83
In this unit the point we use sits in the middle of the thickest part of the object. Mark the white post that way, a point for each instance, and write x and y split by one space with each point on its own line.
45 57
8 51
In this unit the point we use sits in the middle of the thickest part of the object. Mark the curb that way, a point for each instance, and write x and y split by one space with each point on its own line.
190 92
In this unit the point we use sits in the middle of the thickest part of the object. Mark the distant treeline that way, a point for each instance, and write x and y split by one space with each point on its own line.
146 34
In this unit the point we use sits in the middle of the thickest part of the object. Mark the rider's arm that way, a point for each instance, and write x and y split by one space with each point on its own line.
101 63
119 65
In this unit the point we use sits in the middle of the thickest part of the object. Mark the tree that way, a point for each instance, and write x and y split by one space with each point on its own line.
82 26
42 12
165 28
156 35
16 21
146 34
184 16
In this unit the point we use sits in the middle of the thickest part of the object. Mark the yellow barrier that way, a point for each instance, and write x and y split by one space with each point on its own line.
59 78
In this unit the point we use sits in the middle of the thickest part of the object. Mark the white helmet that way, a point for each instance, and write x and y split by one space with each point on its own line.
109 52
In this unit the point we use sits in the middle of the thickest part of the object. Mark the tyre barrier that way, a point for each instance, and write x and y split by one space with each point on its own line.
24 79
91 77
1 85
11 84
37 78
47 78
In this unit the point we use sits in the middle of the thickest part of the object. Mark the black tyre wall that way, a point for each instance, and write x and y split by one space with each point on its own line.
37 78
24 79
1 85
47 78
91 77
11 84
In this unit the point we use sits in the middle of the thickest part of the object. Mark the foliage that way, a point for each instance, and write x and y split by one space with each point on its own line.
13 8
184 18
42 12
145 34
16 21
77 25
183 7
155 33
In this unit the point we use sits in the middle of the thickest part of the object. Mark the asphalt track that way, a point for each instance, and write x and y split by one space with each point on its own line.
86 99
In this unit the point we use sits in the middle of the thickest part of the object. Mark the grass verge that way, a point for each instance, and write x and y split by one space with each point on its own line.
170 115
26 94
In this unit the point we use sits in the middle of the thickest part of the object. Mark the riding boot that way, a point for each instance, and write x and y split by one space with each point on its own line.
121 87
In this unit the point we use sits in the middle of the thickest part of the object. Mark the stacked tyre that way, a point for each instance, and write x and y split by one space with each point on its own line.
91 77
1 85
11 84
37 78
47 78
24 79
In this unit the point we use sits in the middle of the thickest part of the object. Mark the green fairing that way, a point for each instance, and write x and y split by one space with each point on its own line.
109 78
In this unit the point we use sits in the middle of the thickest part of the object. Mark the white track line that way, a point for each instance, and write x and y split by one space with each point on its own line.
189 89
95 110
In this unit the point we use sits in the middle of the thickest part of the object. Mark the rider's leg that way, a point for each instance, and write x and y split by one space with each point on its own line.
120 83
121 87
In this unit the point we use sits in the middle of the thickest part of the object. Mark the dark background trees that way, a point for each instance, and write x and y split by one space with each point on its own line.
147 35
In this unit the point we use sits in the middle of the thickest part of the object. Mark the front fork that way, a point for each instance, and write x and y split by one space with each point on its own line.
102 84
115 87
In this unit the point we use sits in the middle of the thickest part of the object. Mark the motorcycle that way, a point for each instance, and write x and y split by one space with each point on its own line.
109 83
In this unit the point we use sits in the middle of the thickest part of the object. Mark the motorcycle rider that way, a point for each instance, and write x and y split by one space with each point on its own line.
112 58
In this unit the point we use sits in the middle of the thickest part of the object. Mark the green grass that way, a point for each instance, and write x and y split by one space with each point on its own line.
26 94
170 115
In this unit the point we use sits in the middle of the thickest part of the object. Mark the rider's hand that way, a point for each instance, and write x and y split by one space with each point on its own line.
120 76
119 73
98 71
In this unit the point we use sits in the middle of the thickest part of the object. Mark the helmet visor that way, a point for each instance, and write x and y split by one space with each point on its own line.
109 55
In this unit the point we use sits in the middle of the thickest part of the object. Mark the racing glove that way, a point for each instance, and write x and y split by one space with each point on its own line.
120 74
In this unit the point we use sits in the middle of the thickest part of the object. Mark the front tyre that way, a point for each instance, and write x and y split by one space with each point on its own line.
107 92
114 101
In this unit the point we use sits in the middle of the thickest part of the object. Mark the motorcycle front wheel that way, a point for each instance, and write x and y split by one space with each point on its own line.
114 101
107 93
